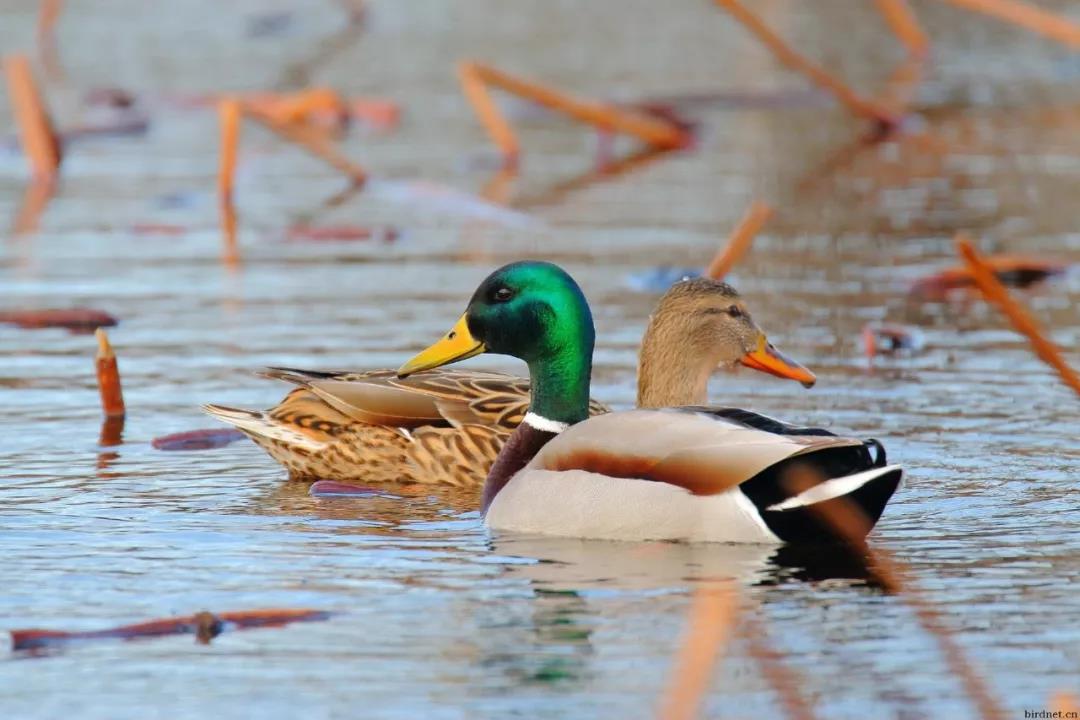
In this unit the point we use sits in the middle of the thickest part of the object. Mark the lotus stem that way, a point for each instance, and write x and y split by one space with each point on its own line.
1018 315
108 377
739 241
850 99
39 140
713 614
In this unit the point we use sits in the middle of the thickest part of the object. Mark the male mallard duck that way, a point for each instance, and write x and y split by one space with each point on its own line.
682 473
447 426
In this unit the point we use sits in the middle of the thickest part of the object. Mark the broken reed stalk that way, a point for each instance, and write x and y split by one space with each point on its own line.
713 614
902 21
739 241
1026 16
476 77
36 134
850 99
852 525
311 141
229 121
108 377
1021 319
782 679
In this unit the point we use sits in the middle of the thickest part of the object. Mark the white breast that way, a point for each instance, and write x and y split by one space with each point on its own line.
575 503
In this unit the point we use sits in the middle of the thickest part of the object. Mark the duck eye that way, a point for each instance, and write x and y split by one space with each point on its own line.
735 311
502 294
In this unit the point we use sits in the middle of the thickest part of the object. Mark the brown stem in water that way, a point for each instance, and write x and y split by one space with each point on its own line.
476 77
1021 319
850 99
852 525
902 21
739 241
36 134
108 377
713 614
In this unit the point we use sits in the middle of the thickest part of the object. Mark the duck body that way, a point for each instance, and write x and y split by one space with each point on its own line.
690 474
442 427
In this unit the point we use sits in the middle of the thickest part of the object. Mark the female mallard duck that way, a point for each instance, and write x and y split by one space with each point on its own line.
447 426
682 473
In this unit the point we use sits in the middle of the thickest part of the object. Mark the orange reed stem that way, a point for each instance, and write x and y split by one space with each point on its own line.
850 99
476 77
229 120
36 134
902 21
312 141
1021 319
852 525
108 377
782 679
713 614
739 241
1026 16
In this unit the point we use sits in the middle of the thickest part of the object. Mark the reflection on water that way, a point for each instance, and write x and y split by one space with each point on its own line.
433 617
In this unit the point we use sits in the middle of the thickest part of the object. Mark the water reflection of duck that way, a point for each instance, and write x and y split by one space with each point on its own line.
447 426
686 473
557 564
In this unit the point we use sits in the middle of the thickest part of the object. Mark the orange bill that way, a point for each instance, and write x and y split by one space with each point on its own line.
768 359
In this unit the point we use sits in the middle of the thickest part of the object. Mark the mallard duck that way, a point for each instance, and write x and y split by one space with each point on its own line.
675 473
446 426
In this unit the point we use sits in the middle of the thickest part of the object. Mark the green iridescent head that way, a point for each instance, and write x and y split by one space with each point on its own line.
536 312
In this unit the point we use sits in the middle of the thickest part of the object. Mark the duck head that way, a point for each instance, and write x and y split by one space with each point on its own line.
699 325
533 311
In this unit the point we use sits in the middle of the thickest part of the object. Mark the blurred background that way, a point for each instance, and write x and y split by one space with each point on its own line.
437 619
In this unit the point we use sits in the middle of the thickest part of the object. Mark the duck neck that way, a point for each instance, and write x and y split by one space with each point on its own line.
668 377
558 398
560 387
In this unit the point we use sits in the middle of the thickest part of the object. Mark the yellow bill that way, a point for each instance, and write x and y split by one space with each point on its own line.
458 344
765 358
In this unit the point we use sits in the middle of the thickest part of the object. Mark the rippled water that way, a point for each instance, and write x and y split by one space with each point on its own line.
435 618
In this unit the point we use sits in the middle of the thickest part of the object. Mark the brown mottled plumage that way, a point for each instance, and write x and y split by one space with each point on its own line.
442 427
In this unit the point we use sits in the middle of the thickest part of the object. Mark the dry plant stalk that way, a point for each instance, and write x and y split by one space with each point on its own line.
713 614
108 377
902 21
310 140
1026 16
1021 319
739 241
476 77
229 120
850 99
784 682
39 140
852 525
